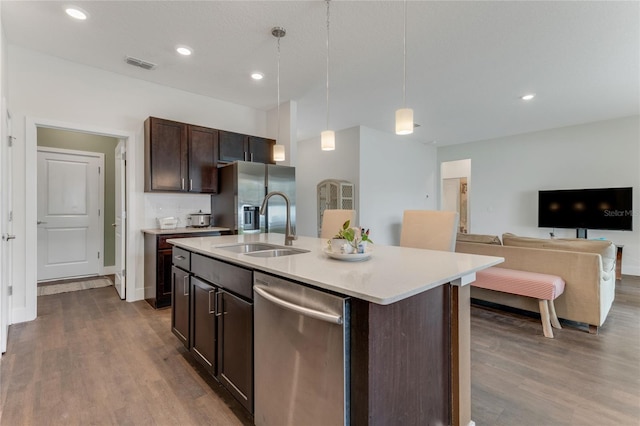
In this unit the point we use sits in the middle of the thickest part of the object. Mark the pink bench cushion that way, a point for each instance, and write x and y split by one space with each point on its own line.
522 283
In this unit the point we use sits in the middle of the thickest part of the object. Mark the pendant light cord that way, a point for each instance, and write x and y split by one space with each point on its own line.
328 64
278 84
404 58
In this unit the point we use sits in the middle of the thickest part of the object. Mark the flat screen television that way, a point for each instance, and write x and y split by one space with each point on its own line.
598 208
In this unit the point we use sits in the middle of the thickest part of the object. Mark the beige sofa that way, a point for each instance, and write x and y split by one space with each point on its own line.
587 267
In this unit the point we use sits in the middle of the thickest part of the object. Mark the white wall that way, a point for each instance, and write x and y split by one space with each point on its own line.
314 165
396 174
390 173
508 172
44 87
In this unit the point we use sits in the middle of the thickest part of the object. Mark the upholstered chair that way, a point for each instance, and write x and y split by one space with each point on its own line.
332 221
429 229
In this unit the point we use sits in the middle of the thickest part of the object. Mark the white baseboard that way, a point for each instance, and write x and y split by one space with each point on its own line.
138 294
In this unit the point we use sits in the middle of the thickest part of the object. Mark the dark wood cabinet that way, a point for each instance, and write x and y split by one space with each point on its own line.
203 323
158 258
203 160
165 155
221 322
261 149
181 310
238 147
235 347
180 157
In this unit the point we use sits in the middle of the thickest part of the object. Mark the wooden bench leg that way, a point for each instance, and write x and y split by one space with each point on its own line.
552 312
544 316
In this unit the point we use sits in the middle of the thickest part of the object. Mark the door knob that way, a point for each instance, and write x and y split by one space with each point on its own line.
114 225
40 222
7 237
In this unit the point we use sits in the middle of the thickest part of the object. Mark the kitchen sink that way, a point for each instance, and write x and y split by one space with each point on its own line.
276 252
247 247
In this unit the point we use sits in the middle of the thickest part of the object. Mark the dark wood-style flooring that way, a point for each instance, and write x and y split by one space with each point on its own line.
90 358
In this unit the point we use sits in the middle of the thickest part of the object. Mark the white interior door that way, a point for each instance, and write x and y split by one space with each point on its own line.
69 218
121 219
6 229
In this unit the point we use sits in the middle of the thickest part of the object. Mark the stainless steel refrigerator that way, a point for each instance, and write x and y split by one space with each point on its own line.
243 186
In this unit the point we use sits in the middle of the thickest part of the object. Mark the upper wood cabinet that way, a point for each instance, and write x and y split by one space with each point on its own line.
180 157
239 147
203 160
166 155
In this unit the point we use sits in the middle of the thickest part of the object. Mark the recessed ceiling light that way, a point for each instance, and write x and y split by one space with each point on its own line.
257 76
76 13
528 97
184 50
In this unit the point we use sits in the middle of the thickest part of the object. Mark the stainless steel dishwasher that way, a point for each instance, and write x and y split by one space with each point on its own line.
301 357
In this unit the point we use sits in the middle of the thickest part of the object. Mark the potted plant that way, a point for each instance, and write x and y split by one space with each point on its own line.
350 240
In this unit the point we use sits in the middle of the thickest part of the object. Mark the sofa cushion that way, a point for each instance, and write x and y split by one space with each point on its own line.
606 249
478 238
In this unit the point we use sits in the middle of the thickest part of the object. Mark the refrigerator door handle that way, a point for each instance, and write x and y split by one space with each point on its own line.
322 316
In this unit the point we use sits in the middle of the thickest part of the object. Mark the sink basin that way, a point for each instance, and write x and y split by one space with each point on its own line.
247 247
277 252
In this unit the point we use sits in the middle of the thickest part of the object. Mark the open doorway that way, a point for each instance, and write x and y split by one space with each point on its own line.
455 189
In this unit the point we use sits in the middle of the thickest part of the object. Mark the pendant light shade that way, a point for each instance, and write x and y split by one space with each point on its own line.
278 152
328 140
404 115
278 149
404 121
328 137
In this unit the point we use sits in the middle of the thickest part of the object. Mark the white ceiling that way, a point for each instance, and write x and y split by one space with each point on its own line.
467 62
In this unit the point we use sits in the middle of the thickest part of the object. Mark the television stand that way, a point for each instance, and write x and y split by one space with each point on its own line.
581 233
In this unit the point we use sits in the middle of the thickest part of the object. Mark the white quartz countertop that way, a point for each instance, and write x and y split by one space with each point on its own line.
389 275
189 230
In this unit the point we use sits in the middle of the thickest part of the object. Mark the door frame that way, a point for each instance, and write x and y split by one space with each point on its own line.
29 311
101 194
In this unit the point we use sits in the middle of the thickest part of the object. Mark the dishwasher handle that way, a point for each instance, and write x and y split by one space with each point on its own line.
322 316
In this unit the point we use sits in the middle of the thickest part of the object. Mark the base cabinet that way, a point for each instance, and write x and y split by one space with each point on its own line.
235 347
203 321
180 301
219 320
157 266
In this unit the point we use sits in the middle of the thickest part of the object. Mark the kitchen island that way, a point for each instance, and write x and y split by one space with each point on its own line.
409 322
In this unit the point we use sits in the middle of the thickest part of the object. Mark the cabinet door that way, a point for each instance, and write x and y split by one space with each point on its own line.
180 304
203 159
231 146
261 150
203 324
165 155
235 347
164 279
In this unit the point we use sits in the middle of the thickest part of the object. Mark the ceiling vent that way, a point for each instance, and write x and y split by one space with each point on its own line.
140 63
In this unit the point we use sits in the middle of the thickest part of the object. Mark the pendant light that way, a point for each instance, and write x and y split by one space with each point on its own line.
404 115
328 137
278 149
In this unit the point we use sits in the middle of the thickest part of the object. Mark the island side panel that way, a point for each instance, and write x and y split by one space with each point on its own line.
401 360
460 355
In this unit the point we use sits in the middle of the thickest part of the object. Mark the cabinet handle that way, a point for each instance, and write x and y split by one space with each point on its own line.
179 257
185 285
190 184
215 303
182 185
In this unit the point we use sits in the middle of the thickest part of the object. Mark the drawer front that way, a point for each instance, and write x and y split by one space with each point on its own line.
181 258
230 277
163 244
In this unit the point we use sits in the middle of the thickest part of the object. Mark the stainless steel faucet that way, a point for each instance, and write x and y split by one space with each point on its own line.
288 235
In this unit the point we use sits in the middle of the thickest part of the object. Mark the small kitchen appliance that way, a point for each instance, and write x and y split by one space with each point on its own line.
200 220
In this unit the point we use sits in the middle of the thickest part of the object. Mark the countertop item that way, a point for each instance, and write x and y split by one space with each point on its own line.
392 274
184 230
